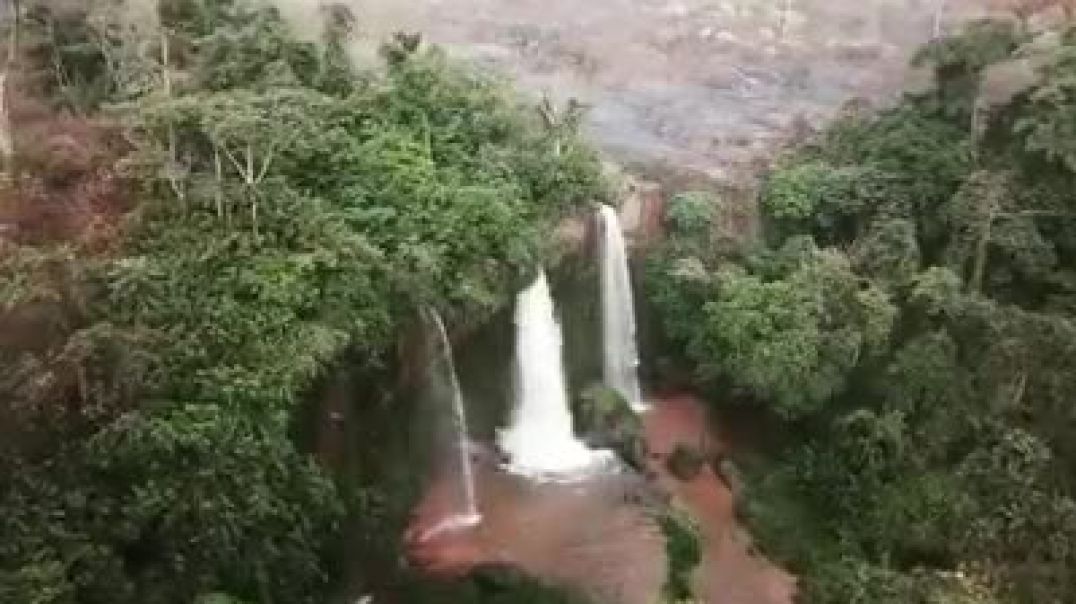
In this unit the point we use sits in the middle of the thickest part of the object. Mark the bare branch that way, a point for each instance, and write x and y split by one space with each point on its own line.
7 138
235 162
13 35
220 181
1036 213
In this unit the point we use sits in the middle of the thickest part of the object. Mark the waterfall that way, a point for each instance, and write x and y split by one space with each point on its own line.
620 352
540 440
468 514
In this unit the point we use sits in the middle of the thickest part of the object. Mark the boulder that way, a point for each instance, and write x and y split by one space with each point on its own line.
607 421
729 474
685 463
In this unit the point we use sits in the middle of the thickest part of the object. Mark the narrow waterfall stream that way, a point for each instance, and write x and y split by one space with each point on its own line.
468 515
620 351
540 439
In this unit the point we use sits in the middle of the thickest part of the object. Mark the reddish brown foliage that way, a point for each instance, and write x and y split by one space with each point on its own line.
66 187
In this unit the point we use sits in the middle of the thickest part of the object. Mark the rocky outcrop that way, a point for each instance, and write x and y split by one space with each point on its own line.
685 463
642 211
608 422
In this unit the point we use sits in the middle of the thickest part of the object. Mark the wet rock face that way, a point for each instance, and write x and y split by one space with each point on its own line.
642 211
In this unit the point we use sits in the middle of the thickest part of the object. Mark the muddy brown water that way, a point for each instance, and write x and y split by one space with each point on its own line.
594 535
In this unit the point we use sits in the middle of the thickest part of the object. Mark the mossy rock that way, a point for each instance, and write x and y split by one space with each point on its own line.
607 421
729 474
685 463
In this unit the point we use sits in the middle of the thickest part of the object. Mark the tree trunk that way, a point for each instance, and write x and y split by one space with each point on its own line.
982 247
786 16
939 11
7 137
7 142
13 39
173 151
251 184
220 181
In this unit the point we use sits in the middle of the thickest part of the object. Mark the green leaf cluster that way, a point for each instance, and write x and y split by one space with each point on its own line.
290 212
907 319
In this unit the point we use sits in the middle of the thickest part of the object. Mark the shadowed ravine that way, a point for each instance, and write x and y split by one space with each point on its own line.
595 535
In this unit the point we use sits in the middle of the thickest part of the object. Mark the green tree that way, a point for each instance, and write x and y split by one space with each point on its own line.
934 361
289 212
794 341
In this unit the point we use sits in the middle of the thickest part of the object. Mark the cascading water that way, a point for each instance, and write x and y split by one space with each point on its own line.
468 514
540 440
620 352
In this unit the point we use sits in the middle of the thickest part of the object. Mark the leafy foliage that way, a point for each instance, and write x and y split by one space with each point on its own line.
690 216
928 366
959 61
793 340
291 212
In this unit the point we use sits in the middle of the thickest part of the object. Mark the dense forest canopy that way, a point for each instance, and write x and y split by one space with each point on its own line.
202 215
909 322
240 211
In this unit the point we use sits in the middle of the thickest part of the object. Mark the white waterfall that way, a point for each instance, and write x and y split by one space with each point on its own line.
620 351
540 440
468 514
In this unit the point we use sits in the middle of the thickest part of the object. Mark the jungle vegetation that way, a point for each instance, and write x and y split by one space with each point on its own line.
203 213
907 322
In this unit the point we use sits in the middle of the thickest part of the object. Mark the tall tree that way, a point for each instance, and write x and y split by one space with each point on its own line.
7 145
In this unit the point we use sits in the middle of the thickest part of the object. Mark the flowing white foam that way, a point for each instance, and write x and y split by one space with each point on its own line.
451 524
620 350
468 515
540 441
